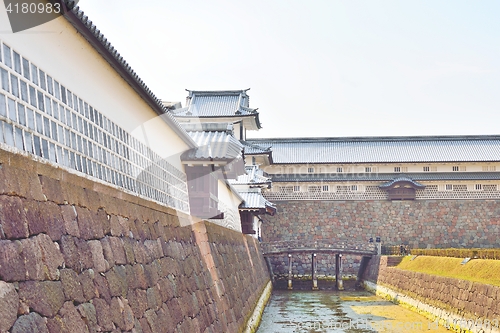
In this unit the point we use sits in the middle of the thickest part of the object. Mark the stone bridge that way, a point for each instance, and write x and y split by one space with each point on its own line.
319 246
338 247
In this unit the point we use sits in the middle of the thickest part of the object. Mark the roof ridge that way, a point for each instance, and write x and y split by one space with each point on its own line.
383 138
84 25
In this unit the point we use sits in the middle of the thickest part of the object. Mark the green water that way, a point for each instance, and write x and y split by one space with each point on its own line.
334 311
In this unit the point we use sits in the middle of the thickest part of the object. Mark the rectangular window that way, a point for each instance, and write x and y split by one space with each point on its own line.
17 62
63 95
26 69
397 169
354 187
478 187
15 85
426 168
310 170
50 86
48 105
33 96
6 56
368 169
296 188
3 107
455 168
340 169
31 118
43 84
39 123
57 91
21 114
41 105
34 74
326 188
55 109
448 187
462 168
5 79
24 91
11 105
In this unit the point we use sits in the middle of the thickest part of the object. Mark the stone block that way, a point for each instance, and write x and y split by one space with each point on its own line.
152 276
12 267
89 229
107 251
103 314
70 220
32 322
117 247
20 182
145 325
138 302
154 249
128 247
99 263
72 287
122 314
72 320
103 219
13 217
52 258
44 297
75 194
115 227
9 303
88 314
102 287
87 281
52 189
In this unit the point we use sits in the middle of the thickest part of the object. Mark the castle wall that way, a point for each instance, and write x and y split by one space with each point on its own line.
419 223
80 256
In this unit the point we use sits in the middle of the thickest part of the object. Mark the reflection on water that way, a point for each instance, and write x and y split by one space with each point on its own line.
333 311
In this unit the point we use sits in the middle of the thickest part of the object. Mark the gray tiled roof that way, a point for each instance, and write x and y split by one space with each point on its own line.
253 176
384 177
213 145
254 200
384 149
228 103
89 31
254 149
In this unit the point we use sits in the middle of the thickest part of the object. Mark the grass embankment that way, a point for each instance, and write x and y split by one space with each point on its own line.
479 270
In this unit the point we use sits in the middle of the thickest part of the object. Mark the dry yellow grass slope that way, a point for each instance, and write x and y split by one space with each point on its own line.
479 270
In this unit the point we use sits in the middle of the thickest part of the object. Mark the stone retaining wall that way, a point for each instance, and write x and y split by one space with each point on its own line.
419 223
454 297
80 256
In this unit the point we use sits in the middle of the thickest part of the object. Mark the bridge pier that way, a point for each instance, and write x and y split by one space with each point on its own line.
338 271
361 271
290 287
314 272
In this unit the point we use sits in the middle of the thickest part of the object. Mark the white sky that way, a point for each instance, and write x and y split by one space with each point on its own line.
321 68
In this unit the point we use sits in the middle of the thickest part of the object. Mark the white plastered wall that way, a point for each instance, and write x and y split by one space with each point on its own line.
61 52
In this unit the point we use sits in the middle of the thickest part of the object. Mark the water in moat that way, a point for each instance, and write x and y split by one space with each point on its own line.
326 311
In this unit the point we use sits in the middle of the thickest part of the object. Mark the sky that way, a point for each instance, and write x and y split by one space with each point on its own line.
321 68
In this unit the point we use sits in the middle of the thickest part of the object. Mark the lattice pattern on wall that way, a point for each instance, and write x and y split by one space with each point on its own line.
40 116
459 191
336 192
373 192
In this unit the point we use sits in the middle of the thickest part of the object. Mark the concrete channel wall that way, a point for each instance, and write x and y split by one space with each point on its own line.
460 305
80 256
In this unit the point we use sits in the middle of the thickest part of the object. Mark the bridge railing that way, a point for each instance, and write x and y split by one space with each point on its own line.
322 245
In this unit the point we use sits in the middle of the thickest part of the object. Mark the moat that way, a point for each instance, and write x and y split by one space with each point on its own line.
327 311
